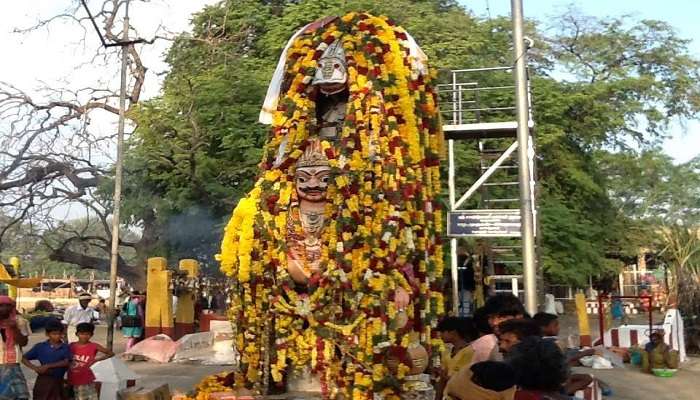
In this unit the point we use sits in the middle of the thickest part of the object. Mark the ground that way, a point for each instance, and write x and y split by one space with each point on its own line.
627 384
181 377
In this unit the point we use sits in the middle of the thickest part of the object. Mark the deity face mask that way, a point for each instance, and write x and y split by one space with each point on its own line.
312 174
312 183
331 75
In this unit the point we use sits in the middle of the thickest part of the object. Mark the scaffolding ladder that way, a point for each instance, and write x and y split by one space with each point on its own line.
478 110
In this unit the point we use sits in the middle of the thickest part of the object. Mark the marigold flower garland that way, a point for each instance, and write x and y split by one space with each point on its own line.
383 229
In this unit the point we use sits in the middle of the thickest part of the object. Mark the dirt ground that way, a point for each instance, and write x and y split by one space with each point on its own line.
627 384
178 376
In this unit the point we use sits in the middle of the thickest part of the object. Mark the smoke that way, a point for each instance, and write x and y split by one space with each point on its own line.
194 233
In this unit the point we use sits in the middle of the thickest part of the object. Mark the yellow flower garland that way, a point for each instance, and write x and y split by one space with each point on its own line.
383 225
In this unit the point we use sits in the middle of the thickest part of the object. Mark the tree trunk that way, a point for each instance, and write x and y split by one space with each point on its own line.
131 273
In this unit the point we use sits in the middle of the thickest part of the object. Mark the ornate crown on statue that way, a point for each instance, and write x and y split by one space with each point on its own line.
313 156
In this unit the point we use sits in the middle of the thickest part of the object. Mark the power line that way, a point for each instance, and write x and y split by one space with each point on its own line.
102 38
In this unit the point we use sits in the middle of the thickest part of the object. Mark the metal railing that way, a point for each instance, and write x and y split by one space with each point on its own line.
477 95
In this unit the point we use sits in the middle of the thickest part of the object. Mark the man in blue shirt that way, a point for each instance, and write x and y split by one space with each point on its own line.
54 358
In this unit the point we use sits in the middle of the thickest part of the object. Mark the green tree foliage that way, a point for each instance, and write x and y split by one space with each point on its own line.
597 85
660 202
36 260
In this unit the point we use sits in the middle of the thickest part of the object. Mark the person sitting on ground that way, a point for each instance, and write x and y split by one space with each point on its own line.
84 353
498 308
549 326
657 354
540 369
54 357
457 333
513 331
488 380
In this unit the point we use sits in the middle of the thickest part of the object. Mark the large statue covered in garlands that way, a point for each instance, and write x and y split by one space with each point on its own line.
335 253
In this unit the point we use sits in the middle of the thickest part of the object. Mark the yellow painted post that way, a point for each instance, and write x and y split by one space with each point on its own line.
184 315
159 305
12 290
191 266
584 330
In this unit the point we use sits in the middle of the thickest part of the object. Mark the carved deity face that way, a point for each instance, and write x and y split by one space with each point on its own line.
312 182
332 75
312 174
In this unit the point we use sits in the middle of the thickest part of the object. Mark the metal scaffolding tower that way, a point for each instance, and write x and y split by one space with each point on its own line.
480 121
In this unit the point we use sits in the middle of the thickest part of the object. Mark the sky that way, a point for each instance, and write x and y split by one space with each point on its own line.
50 56
684 143
61 55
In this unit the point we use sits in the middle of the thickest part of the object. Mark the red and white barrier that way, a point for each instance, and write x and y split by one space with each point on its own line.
638 335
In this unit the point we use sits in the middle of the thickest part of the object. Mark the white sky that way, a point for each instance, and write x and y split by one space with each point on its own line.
60 55
684 141
52 54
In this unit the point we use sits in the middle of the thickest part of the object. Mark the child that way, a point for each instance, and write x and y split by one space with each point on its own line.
549 325
84 353
54 357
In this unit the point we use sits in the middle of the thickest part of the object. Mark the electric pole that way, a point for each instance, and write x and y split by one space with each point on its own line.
114 256
523 134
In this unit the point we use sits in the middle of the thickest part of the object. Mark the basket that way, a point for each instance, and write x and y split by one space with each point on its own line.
664 372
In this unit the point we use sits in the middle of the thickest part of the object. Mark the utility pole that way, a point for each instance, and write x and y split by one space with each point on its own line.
523 133
114 259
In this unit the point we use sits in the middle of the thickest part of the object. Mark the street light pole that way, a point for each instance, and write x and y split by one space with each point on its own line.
114 256
523 134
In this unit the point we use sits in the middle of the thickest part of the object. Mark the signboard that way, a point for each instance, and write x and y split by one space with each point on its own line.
484 223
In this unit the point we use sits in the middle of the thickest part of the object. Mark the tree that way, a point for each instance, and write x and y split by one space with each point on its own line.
22 241
606 83
52 160
661 201
598 84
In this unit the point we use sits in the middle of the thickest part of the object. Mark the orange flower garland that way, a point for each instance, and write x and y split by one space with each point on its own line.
383 223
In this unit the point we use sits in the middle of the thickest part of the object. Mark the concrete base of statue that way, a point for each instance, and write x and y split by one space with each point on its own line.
303 385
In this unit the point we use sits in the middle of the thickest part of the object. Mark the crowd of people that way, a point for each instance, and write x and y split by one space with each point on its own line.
502 353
